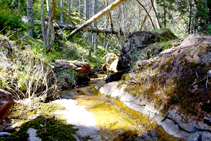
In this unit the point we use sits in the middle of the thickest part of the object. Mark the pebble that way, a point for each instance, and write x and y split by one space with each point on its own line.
4 134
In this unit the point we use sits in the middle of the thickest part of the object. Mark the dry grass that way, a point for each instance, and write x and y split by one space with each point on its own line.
22 71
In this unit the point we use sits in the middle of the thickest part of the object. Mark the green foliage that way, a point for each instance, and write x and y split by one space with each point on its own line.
94 61
10 21
197 13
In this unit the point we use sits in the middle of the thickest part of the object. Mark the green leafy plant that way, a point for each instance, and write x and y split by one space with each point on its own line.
10 21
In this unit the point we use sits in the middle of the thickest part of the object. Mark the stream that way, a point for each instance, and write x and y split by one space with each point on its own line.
110 119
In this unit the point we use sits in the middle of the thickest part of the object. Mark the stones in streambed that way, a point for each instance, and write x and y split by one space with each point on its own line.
79 116
4 134
33 135
111 61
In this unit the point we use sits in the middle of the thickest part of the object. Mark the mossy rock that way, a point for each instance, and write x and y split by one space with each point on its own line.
164 34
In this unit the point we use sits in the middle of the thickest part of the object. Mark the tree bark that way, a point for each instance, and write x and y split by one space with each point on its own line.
43 23
30 17
18 6
48 31
69 11
47 6
90 34
95 25
97 16
86 9
157 20
61 16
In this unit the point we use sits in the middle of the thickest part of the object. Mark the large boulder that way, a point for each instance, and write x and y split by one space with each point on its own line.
79 67
6 101
110 64
174 89
136 41
136 46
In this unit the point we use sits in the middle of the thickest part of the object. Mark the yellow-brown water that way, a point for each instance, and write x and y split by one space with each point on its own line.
117 121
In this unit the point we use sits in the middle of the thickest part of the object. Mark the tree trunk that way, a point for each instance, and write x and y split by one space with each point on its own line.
61 16
47 6
86 9
30 17
154 8
18 6
95 25
190 17
69 10
48 32
97 16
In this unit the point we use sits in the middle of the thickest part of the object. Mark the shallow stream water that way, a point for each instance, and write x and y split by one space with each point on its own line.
116 121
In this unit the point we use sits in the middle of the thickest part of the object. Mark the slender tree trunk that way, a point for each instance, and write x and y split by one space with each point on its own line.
61 17
164 13
30 17
90 34
48 31
95 25
18 4
190 17
86 9
154 6
47 6
79 7
43 23
123 16
69 10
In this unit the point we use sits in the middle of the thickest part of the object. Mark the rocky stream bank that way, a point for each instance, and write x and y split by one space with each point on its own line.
164 95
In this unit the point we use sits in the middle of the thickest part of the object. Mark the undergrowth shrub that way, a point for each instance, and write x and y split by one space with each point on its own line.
10 21
22 72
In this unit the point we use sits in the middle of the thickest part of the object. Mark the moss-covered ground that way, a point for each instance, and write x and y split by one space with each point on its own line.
40 116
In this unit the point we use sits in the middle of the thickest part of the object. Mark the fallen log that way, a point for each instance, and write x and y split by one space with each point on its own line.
89 29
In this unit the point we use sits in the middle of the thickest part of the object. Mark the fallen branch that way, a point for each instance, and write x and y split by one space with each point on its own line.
97 16
89 29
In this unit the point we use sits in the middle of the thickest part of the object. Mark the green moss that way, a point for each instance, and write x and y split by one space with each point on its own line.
21 111
174 99
164 34
48 129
